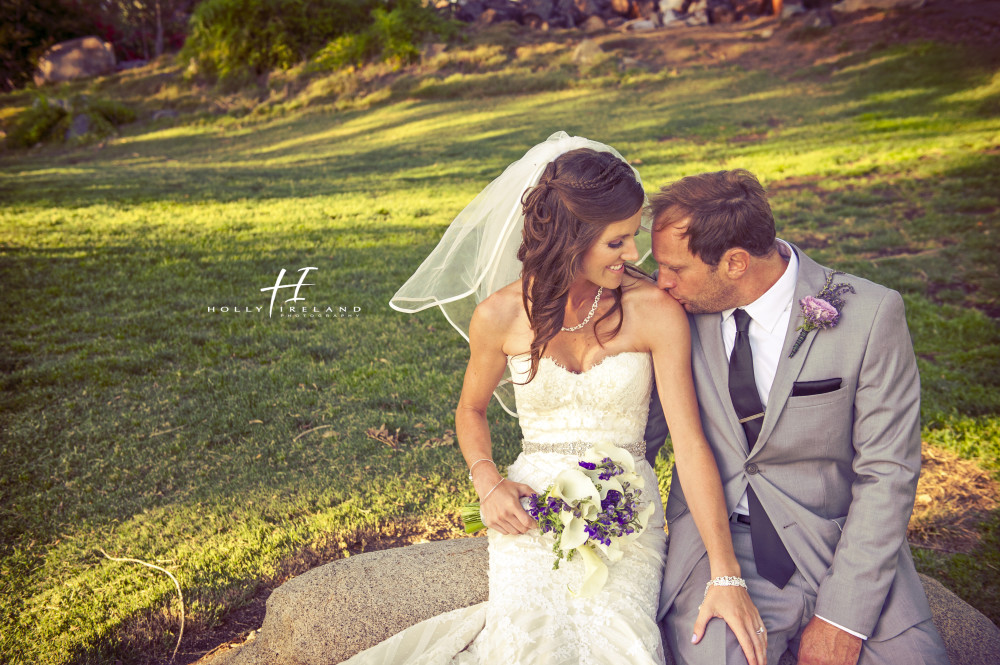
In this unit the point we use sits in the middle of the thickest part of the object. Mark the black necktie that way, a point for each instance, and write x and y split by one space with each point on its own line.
772 559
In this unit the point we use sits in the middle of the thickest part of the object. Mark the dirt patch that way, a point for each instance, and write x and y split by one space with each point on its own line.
798 183
953 497
143 634
791 46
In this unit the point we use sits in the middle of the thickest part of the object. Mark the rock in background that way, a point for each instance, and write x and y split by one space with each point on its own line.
78 58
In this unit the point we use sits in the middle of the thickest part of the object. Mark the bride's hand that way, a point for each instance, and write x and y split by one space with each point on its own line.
733 605
502 510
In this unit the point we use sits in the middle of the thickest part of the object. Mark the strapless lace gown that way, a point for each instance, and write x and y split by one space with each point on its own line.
531 618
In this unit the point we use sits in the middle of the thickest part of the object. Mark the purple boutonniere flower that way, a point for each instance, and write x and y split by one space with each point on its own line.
818 313
822 310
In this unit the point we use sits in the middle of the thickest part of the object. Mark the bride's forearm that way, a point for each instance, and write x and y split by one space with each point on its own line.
472 429
699 477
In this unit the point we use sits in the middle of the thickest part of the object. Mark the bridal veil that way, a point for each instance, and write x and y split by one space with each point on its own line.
478 253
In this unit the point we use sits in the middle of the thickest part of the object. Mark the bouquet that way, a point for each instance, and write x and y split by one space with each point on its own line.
592 510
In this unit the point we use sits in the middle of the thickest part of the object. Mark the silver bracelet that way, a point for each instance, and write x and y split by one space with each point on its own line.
485 459
491 492
724 581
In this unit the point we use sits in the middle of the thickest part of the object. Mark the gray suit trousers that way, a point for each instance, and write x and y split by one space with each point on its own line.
785 612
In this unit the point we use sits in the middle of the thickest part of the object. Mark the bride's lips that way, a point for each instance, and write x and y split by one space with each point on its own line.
618 267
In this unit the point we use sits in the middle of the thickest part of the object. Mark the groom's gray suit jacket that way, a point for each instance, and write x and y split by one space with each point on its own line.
836 471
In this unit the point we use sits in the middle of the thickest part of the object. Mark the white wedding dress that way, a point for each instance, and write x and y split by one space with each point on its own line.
531 616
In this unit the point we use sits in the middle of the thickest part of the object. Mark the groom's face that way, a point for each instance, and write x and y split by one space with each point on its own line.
697 286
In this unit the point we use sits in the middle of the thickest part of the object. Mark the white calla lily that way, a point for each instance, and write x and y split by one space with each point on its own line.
573 485
595 572
619 456
574 534
614 550
610 484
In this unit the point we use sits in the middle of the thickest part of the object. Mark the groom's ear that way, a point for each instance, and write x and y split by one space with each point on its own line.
735 262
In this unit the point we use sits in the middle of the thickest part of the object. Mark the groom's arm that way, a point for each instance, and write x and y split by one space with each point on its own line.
656 423
886 440
656 428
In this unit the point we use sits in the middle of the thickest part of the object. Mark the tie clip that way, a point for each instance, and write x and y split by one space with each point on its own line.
753 417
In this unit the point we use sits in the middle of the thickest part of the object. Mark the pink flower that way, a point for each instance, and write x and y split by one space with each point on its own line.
819 313
821 310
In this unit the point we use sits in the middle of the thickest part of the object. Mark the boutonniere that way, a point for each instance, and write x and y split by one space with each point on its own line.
821 310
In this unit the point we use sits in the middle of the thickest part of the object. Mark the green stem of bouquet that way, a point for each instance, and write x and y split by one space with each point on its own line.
472 519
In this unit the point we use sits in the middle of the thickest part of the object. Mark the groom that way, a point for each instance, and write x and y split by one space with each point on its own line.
816 435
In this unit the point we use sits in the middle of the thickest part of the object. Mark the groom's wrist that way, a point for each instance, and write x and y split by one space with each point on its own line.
837 625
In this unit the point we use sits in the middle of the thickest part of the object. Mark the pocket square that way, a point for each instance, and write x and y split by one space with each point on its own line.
803 388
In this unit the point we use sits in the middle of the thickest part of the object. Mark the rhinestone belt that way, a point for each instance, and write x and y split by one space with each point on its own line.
578 448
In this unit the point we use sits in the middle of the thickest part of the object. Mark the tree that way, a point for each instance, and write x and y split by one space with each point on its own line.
29 27
146 28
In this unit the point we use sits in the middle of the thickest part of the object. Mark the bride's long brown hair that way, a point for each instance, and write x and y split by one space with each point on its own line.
579 194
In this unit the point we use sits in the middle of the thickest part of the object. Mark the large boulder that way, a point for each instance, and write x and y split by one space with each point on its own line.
78 58
331 612
969 637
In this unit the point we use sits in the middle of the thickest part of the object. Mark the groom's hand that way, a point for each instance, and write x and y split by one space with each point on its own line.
825 644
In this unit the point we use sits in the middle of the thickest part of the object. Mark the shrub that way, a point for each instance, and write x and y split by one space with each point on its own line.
47 120
392 34
396 34
227 38
114 112
35 124
232 40
30 27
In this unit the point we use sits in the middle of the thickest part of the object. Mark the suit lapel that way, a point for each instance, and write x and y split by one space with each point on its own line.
809 281
708 329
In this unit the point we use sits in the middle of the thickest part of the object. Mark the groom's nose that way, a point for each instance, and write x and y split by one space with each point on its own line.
664 280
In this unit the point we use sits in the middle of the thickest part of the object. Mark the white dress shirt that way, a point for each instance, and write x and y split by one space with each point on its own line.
769 315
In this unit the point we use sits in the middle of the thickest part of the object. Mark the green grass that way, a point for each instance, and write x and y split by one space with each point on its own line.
136 420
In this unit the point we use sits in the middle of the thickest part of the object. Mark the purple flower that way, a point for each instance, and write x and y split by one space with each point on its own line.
819 312
589 466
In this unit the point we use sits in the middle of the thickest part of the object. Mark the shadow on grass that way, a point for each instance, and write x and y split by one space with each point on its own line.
893 93
135 418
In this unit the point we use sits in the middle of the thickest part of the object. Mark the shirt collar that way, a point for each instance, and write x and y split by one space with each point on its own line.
766 310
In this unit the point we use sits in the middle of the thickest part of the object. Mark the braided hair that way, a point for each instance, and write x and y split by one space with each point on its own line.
579 194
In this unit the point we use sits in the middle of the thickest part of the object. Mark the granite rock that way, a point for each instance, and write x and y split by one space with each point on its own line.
77 58
331 612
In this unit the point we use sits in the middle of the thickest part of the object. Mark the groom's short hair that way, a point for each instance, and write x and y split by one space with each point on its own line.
724 209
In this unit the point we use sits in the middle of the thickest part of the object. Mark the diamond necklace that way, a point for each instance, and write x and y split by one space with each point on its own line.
593 308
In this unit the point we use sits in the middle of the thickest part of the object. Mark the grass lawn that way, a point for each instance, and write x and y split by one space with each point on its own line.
139 415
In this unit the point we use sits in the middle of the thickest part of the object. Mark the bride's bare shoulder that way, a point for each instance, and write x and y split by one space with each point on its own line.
646 299
502 308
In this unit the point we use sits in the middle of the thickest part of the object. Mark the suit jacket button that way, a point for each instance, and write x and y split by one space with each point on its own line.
751 468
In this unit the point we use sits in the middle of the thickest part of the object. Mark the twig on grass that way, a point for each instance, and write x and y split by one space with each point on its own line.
166 431
176 584
309 430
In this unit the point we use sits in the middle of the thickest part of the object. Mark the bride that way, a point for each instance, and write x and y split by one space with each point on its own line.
580 336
